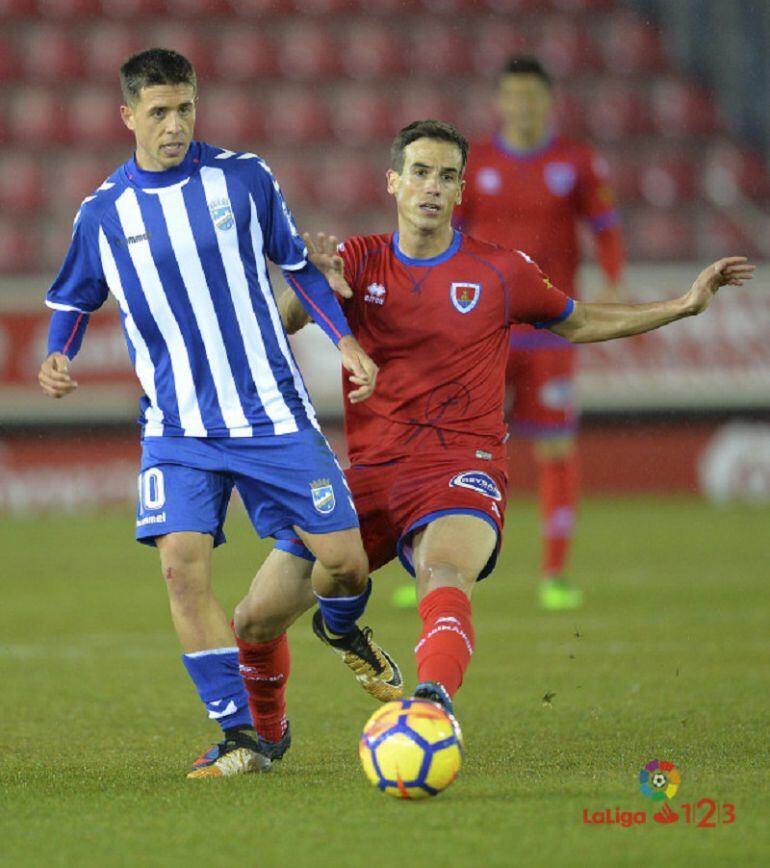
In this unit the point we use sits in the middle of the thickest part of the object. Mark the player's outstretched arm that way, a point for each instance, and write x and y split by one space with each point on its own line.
54 377
590 323
293 315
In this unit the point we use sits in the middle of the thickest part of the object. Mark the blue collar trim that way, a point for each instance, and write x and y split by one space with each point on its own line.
188 166
526 153
434 260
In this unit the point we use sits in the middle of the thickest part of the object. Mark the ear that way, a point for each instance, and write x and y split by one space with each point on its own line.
392 180
127 117
460 191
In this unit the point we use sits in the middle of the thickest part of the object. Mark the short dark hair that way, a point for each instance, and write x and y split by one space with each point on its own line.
521 64
151 67
426 130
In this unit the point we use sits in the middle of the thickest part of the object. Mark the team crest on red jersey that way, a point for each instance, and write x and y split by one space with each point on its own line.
560 178
465 296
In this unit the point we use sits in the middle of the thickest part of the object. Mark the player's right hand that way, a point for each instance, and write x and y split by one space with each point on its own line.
323 254
54 376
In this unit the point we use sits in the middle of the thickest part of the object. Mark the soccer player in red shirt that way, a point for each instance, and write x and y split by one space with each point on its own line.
528 188
433 308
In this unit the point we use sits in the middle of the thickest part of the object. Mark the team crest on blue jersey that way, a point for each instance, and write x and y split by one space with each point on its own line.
560 178
323 496
222 214
465 296
478 481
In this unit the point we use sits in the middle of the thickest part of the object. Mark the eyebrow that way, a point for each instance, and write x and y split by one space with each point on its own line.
443 169
153 108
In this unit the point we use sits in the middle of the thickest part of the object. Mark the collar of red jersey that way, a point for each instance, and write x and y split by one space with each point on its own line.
434 260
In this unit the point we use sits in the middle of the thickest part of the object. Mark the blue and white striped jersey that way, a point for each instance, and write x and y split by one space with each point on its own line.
183 252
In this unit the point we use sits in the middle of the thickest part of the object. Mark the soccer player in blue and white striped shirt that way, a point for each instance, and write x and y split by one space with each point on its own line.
180 235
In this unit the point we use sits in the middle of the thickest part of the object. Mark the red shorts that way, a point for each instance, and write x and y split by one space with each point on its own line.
541 391
394 500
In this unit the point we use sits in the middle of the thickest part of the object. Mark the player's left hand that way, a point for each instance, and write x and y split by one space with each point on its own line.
730 271
363 371
322 252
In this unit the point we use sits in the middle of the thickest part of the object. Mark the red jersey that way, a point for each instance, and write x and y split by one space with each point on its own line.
534 201
438 329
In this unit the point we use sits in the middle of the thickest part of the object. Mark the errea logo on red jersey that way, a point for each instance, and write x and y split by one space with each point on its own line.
375 293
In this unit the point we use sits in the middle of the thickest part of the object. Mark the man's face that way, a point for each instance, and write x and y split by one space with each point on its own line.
430 184
162 120
524 101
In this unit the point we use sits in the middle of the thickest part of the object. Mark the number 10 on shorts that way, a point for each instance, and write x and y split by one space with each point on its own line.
152 490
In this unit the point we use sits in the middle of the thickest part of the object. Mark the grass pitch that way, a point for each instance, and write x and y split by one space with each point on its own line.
668 659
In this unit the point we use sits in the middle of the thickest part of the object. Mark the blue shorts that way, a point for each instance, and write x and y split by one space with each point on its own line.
185 484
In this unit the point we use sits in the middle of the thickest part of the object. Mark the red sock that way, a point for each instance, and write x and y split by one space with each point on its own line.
558 498
265 670
446 643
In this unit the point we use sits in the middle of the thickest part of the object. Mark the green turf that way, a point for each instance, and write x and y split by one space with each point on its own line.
669 658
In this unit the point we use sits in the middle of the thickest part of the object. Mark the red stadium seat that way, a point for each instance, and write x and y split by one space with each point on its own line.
68 9
493 43
132 9
667 183
258 9
9 63
320 7
629 45
16 9
295 116
186 40
448 7
437 48
478 114
730 171
360 114
388 8
72 177
48 54
348 181
305 52
22 184
295 177
660 235
679 110
721 236
229 118
369 50
615 112
19 247
570 114
94 116
194 8
415 104
242 53
106 44
565 47
54 239
36 117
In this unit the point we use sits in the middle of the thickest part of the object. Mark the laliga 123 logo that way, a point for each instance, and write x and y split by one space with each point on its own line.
659 782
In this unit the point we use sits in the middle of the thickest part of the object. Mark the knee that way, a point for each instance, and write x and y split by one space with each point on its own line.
349 570
185 568
434 573
252 626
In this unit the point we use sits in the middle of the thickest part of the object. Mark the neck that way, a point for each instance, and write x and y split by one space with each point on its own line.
423 244
523 140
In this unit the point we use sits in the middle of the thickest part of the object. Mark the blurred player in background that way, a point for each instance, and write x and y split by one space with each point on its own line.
528 188
179 235
428 452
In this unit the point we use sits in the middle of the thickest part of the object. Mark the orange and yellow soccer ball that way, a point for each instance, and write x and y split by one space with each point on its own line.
411 749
